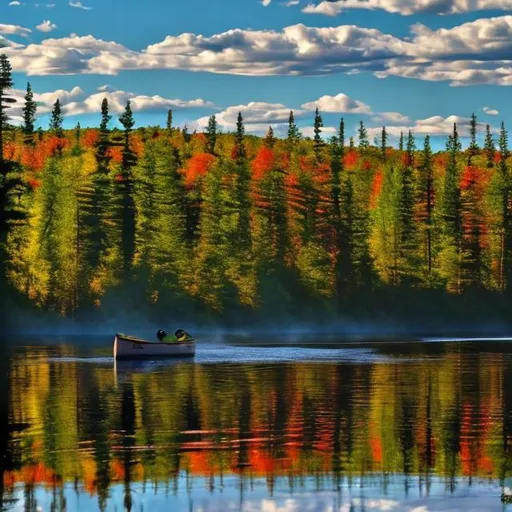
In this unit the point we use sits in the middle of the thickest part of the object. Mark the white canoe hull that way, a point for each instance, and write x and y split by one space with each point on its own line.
133 348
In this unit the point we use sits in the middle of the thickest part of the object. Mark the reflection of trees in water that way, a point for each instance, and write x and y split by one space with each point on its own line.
334 422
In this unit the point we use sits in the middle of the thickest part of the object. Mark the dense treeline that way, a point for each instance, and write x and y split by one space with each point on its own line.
211 222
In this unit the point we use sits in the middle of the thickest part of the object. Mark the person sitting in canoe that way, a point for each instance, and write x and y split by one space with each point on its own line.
179 336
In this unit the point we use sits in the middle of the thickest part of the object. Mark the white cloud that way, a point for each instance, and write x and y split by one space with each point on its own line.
266 2
490 111
435 125
14 3
46 26
292 2
477 52
407 7
327 131
258 116
14 30
79 5
339 103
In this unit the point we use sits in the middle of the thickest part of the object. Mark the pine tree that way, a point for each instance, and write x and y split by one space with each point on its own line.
169 121
293 132
411 148
451 210
363 137
489 148
126 193
269 140
427 199
29 116
6 84
56 120
240 153
211 135
103 144
341 136
318 142
383 143
473 146
351 144
401 142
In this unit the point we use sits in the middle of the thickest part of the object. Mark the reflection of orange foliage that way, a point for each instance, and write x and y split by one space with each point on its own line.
197 167
117 471
31 475
376 445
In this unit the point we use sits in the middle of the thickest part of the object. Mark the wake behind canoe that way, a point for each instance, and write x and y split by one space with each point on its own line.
130 347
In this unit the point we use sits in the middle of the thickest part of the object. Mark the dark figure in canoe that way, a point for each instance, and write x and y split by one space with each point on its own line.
179 336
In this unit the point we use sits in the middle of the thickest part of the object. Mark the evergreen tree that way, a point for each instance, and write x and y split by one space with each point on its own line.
451 217
341 136
411 148
29 116
383 143
6 84
270 140
473 146
103 144
211 135
239 150
125 184
169 121
489 148
363 137
426 186
351 144
56 120
318 143
293 132
401 142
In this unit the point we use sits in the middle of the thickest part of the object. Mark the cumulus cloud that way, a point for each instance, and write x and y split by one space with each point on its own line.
14 3
77 102
408 7
46 26
339 103
490 111
433 126
258 116
14 30
477 52
266 2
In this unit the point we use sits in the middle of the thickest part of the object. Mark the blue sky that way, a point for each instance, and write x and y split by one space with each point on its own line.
404 63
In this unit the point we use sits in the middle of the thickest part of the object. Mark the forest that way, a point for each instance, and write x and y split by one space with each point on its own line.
217 226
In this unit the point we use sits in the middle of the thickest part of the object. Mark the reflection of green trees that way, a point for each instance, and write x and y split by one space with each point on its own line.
449 417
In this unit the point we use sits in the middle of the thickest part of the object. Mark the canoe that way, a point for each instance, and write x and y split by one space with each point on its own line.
129 347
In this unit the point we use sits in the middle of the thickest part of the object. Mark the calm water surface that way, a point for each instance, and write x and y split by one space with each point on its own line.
414 426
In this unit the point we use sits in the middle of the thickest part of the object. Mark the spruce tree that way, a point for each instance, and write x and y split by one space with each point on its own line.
489 148
411 148
56 120
211 135
29 116
103 144
240 153
293 132
169 121
427 192
269 140
341 136
383 143
363 137
6 84
317 128
126 195
451 215
401 142
473 146
351 144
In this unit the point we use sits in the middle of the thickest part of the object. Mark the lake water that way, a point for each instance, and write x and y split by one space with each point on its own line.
395 426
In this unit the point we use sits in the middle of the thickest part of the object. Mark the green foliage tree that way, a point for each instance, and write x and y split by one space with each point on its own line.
293 132
318 142
169 121
473 146
383 143
29 116
364 144
211 135
489 148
